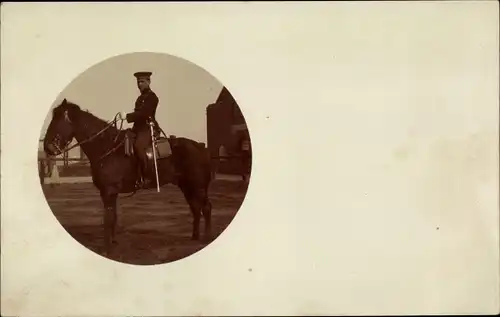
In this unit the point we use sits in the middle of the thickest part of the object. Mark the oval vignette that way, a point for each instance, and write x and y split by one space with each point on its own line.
200 122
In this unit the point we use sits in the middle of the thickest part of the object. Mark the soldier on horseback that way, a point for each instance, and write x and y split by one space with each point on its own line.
144 112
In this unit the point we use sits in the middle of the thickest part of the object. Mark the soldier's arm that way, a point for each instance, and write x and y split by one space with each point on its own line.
150 104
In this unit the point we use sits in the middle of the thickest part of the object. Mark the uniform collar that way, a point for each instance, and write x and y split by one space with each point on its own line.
146 91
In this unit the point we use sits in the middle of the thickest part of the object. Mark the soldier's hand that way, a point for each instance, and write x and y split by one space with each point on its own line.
122 115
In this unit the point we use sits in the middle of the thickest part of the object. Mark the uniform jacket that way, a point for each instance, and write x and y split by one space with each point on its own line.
145 108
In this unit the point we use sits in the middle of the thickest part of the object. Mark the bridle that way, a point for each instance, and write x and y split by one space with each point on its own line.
109 125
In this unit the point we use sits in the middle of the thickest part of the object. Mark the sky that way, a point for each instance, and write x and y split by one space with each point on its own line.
184 90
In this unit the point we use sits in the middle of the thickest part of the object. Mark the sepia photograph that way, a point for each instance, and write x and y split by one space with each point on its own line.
250 159
145 158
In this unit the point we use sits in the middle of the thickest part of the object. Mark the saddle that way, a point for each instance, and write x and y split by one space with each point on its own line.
163 153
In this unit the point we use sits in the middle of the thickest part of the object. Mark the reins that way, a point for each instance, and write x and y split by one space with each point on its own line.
109 125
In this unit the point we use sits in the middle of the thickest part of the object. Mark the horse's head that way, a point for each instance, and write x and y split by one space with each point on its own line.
60 132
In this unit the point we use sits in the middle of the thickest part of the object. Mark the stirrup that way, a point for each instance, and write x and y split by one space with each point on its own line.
142 185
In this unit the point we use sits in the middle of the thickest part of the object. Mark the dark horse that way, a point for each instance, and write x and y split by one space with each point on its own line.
115 172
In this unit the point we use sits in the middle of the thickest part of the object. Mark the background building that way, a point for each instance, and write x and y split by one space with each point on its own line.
225 126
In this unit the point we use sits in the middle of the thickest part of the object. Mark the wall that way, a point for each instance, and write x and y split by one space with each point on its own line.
224 120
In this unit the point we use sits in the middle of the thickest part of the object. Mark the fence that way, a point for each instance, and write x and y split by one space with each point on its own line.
47 166
78 167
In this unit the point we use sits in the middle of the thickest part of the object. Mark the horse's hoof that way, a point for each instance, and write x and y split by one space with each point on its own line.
107 250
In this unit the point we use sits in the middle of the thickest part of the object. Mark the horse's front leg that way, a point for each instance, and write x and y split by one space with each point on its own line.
110 218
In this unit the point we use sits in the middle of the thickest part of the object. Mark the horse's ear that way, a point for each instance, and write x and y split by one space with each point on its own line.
64 101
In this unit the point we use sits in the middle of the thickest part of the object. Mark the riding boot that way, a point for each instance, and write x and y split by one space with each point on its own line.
146 181
142 181
139 181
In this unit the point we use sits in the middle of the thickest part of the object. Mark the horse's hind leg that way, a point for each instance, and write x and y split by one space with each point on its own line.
195 204
207 215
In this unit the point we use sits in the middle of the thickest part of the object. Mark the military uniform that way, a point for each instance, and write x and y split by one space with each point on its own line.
144 110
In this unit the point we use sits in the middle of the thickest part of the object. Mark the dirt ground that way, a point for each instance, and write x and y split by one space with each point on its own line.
152 227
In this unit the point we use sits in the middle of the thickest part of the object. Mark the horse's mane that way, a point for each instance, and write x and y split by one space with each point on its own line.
91 122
